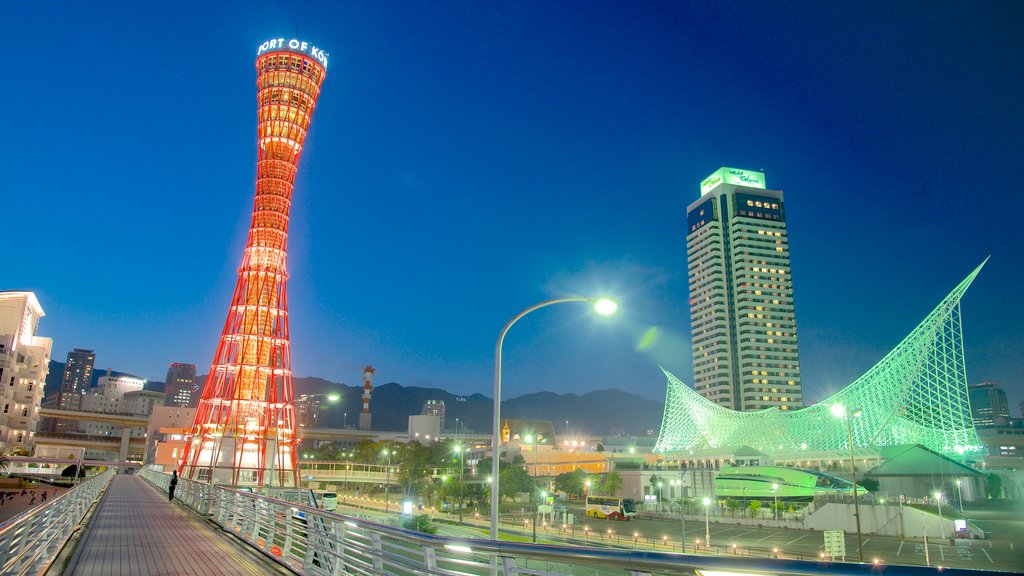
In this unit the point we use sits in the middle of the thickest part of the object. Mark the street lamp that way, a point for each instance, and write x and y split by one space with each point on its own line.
959 497
462 468
839 411
660 498
387 481
775 492
942 527
603 306
528 439
707 521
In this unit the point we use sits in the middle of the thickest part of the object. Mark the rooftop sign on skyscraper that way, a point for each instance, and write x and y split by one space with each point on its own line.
732 176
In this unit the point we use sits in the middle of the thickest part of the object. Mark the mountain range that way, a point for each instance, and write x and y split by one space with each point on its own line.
599 412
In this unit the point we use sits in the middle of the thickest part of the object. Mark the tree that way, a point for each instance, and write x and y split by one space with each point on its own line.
420 523
5 460
993 486
515 480
69 472
571 482
612 483
600 447
754 506
868 484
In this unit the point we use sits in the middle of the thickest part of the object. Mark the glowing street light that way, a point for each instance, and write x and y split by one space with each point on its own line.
959 497
839 411
707 521
942 527
462 468
387 482
775 492
604 307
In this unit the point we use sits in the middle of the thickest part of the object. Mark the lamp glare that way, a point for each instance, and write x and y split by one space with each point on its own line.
605 306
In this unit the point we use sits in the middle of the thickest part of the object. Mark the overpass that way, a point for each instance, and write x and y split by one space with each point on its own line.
120 446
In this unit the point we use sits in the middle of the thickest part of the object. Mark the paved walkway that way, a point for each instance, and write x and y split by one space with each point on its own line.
136 531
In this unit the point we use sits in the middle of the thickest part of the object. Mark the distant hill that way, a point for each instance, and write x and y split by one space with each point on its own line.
597 412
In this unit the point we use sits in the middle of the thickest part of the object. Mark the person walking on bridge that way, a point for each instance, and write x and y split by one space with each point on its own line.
172 486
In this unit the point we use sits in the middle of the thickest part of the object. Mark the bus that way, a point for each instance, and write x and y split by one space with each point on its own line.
778 481
611 508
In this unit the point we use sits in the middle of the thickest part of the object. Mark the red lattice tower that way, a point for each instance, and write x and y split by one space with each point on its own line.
245 430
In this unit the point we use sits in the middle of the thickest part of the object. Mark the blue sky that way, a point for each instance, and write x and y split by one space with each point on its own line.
469 159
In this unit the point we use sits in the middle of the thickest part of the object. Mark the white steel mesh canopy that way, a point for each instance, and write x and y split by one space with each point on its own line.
917 394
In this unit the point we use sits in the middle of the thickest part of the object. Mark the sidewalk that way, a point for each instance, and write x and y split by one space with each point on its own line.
136 531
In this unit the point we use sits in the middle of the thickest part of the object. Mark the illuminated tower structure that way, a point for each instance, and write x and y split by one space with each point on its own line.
742 316
365 417
245 429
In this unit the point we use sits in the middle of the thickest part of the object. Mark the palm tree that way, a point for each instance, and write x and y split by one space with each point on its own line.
5 460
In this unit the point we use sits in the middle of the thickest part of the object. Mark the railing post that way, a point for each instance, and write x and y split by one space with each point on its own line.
378 553
429 559
509 566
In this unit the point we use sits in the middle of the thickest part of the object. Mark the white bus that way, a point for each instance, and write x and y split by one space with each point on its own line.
611 508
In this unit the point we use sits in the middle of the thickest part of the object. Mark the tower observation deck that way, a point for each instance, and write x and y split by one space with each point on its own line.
245 427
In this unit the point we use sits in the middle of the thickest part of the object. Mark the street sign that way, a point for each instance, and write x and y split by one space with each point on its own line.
835 543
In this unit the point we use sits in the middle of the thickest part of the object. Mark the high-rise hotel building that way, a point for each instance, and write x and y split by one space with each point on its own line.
741 294
24 363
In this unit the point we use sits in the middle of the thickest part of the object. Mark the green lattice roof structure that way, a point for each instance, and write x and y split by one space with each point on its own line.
917 394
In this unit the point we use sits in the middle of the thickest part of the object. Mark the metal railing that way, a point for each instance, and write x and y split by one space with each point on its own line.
314 542
30 541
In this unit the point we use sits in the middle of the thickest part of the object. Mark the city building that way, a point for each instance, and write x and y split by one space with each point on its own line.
165 435
180 385
110 397
24 363
77 380
245 432
742 317
539 431
989 406
307 408
424 428
434 408
916 394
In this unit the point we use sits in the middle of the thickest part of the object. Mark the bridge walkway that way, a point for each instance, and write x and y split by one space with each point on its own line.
136 531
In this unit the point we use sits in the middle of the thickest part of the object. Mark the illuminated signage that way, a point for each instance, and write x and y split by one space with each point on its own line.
735 176
293 45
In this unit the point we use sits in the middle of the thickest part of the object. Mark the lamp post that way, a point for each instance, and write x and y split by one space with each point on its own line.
840 411
528 439
344 421
387 481
462 468
775 493
682 510
707 521
959 497
660 498
602 306
942 527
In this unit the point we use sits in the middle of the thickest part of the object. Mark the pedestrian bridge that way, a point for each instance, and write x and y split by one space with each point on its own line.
132 529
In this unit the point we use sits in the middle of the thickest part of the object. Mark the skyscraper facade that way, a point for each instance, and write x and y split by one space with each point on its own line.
245 428
77 379
742 316
989 406
24 362
180 385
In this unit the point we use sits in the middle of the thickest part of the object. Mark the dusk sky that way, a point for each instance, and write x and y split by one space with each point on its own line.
469 159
